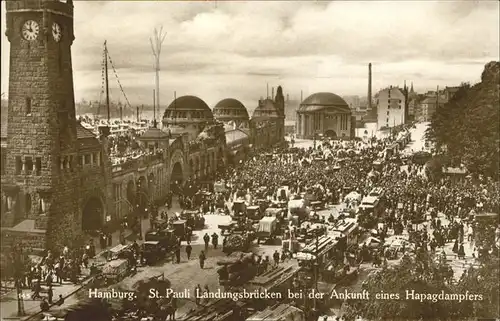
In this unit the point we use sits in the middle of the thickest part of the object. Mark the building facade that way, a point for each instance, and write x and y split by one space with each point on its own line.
391 107
326 114
429 105
234 115
267 126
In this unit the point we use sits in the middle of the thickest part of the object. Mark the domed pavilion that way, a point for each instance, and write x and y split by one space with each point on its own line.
187 114
325 114
231 110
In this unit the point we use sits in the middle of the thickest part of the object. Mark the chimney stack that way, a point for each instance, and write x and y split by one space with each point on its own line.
137 113
370 86
287 97
272 93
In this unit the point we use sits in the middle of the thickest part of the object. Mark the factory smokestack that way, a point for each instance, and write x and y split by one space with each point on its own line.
370 86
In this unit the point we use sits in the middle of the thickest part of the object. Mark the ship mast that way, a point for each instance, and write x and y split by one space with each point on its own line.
156 43
154 109
106 79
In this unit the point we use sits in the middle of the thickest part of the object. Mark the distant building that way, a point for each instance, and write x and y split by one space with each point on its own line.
327 114
432 101
449 92
429 106
413 101
391 107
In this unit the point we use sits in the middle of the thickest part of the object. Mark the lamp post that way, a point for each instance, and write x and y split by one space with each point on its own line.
316 268
146 209
18 275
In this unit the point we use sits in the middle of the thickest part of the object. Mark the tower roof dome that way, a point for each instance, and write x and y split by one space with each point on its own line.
191 104
230 109
324 100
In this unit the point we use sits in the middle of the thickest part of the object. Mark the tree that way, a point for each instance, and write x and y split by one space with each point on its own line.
425 274
468 125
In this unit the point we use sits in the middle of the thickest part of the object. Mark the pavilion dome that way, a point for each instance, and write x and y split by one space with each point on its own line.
230 109
188 107
324 100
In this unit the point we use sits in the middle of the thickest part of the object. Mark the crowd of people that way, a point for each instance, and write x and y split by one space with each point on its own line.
432 212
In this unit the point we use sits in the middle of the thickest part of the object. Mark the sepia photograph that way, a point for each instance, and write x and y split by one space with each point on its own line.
227 160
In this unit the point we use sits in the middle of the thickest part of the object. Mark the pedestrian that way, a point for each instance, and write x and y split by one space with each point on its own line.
461 251
197 294
206 239
50 294
189 249
44 306
202 258
283 256
276 257
178 254
215 240
205 293
470 233
455 246
60 301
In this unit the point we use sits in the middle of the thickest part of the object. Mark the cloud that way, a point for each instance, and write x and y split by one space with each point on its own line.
233 49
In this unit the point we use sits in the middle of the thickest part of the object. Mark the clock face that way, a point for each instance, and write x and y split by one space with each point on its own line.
56 32
30 30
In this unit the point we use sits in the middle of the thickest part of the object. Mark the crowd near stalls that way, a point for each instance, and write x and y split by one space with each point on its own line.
331 209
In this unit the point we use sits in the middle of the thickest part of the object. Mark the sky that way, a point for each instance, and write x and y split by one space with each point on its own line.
216 50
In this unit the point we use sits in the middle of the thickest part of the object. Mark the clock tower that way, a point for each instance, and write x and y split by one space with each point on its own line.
42 171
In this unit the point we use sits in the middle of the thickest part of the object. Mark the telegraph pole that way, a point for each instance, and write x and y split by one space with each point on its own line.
156 42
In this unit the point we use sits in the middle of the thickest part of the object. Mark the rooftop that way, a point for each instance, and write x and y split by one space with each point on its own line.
324 101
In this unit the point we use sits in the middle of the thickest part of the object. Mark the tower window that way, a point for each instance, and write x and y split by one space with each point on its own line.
71 160
19 165
28 106
28 162
38 165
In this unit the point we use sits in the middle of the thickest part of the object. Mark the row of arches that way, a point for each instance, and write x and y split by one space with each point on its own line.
138 195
